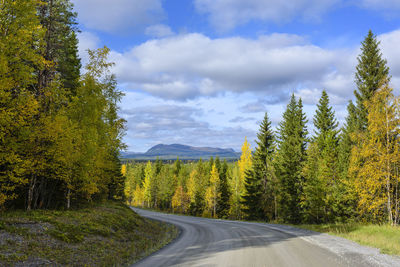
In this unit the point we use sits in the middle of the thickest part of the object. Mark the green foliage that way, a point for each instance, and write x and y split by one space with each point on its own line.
224 194
258 180
290 160
60 134
371 71
321 199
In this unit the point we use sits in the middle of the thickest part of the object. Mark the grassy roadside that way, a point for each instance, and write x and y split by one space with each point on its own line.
384 237
108 234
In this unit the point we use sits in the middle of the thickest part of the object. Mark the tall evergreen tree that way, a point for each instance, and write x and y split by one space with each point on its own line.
324 121
371 72
257 179
224 192
345 143
321 185
61 45
290 160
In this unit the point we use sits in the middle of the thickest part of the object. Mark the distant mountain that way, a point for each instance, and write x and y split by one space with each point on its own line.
183 152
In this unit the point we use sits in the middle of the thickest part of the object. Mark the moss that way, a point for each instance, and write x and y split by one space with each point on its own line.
108 234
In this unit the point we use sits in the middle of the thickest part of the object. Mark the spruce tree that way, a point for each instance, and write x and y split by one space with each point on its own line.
61 45
257 179
324 121
321 169
290 160
345 143
371 72
224 192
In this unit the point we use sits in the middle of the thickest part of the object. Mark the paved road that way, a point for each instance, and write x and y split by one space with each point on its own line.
207 242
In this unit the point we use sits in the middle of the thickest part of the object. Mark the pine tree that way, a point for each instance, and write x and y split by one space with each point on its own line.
290 160
371 71
257 181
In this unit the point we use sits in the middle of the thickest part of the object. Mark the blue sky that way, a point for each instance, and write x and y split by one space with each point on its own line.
204 72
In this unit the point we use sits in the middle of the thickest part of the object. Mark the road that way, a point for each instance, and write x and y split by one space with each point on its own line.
208 242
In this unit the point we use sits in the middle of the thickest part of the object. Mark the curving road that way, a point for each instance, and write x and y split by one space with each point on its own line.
208 242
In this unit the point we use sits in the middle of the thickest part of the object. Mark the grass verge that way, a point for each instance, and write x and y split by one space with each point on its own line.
384 237
108 234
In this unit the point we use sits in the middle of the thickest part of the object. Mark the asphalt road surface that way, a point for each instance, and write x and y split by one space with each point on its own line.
208 242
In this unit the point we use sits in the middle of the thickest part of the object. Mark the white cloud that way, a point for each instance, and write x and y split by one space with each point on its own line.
159 31
226 14
87 40
170 123
118 15
381 4
390 50
192 65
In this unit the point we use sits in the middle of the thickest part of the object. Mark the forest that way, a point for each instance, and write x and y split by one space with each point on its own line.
332 175
61 137
60 134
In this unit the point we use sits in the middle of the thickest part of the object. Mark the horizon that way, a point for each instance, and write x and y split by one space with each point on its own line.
142 152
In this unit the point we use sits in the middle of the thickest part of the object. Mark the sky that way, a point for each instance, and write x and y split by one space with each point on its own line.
204 72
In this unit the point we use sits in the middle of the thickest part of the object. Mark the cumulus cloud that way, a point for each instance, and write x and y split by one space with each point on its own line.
191 65
87 40
177 124
226 14
118 16
390 50
158 31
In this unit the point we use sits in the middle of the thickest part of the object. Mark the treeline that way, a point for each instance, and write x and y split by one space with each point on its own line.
332 175
60 135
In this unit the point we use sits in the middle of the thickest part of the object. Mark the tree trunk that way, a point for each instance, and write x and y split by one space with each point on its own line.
275 208
32 185
389 204
68 199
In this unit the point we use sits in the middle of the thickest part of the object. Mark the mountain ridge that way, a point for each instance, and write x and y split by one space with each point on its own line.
172 151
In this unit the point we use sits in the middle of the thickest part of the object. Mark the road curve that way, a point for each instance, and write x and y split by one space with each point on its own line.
208 242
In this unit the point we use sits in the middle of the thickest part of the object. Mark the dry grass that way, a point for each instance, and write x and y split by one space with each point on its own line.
384 237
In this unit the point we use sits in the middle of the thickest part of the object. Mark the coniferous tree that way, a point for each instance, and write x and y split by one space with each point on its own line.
347 196
224 192
345 143
321 186
324 121
371 71
290 160
257 180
